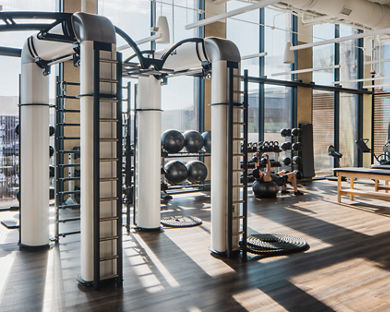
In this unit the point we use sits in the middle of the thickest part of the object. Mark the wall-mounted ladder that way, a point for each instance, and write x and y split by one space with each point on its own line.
65 169
107 166
237 137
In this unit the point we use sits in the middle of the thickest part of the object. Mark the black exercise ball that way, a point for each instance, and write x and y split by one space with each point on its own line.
175 172
263 189
172 140
193 141
207 141
51 151
52 130
197 171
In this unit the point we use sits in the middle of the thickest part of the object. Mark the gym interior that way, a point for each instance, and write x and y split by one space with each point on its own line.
194 155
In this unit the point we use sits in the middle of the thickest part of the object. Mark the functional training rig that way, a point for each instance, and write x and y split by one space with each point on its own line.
90 41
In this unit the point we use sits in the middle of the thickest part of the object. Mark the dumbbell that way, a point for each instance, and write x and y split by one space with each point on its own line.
285 132
296 132
276 147
297 146
286 161
297 160
266 146
286 146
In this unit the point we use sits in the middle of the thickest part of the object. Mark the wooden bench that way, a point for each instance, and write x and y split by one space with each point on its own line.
363 173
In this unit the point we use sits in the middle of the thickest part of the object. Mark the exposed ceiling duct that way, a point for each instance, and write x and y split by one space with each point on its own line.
363 12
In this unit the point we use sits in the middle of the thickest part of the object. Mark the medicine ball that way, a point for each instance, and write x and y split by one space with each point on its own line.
52 130
263 189
297 146
175 172
286 146
193 141
172 140
197 171
285 132
296 132
207 141
17 129
51 151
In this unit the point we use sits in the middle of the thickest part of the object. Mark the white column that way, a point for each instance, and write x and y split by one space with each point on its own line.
86 161
34 166
148 153
219 157
219 160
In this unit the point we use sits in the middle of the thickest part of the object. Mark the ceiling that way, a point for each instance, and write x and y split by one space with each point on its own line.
387 2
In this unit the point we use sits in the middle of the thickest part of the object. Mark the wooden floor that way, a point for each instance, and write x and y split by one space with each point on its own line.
346 269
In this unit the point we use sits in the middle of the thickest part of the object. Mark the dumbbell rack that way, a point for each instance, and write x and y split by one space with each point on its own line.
61 166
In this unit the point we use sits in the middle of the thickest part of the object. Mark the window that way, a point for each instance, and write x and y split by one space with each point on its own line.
9 96
323 56
323 130
277 34
277 111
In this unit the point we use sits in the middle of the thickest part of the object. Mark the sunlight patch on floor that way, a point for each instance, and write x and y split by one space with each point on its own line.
256 300
210 265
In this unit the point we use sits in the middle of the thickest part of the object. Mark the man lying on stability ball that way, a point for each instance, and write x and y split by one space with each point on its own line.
281 178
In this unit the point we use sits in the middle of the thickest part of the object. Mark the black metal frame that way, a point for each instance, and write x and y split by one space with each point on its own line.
96 166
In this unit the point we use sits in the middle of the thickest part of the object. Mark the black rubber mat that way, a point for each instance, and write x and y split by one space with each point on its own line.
275 244
181 221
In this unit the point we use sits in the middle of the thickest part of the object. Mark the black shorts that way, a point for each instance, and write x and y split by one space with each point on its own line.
279 180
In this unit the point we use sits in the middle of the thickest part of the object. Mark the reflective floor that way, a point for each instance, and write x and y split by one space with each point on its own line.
347 267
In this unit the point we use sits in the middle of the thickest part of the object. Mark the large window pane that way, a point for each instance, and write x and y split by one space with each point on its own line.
348 129
381 122
277 34
178 104
277 111
323 131
323 56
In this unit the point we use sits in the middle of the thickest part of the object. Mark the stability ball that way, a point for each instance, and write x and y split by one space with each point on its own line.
175 172
172 140
265 189
197 171
207 141
193 141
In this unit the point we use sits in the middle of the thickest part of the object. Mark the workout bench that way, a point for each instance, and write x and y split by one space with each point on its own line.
363 173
